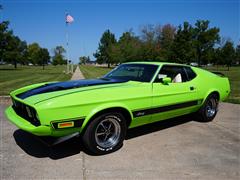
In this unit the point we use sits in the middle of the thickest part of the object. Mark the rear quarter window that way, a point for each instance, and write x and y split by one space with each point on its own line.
190 73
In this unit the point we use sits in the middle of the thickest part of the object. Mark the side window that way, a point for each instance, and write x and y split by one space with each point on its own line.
176 73
190 73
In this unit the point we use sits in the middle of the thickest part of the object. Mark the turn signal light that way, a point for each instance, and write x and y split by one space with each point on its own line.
66 124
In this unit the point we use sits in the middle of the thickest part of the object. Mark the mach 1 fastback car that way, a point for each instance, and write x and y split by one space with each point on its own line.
132 94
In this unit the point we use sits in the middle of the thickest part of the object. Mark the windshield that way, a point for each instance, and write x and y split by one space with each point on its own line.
133 72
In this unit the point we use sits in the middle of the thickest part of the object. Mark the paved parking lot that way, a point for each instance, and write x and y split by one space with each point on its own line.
179 148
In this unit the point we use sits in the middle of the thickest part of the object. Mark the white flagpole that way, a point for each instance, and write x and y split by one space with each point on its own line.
69 19
67 38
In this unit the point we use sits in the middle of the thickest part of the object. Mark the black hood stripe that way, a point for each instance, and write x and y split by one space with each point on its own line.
60 86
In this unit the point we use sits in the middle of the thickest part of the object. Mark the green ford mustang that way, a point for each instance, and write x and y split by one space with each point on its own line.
131 95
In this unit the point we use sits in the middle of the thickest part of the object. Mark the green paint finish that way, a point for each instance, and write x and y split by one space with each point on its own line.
130 96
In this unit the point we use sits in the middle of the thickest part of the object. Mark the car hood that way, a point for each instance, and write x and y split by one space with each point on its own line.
52 90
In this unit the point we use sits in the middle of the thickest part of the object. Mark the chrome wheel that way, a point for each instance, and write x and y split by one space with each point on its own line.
108 131
211 107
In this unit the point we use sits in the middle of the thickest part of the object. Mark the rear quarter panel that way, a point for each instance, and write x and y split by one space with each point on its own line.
209 82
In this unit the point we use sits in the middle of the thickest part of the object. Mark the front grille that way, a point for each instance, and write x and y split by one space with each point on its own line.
26 112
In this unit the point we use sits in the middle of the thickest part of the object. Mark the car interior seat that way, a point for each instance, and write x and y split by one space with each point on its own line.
177 78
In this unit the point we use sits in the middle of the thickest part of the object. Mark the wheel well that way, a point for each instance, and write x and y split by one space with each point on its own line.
123 111
215 93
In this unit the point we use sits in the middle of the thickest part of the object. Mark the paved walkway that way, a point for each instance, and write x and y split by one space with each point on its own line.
77 74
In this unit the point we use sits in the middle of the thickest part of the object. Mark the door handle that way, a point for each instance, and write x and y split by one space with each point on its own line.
192 88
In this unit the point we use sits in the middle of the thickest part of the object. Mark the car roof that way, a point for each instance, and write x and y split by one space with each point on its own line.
155 63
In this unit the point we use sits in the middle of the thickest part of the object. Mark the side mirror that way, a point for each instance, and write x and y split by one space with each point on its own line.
166 80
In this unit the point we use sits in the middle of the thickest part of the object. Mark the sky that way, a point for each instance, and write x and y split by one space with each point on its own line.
43 21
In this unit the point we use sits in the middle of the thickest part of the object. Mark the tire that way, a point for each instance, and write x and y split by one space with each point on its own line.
105 134
209 109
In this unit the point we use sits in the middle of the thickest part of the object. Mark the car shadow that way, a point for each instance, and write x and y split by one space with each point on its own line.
157 126
32 146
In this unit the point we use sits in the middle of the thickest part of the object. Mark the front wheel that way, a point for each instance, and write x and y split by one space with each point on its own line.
105 133
209 109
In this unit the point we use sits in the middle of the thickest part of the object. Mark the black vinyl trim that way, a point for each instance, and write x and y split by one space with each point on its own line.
161 109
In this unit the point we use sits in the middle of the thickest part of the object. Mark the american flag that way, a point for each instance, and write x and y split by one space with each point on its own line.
69 18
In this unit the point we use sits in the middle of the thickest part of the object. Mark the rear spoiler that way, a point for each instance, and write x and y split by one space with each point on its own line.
219 74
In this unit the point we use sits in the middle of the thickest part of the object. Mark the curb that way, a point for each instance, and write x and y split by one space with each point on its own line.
5 100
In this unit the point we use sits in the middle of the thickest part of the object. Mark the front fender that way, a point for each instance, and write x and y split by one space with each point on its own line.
104 107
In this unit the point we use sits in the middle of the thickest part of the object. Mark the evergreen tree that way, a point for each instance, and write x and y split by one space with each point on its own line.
182 50
204 40
103 53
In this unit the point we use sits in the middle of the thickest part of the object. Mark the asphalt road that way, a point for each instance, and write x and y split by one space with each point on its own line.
179 148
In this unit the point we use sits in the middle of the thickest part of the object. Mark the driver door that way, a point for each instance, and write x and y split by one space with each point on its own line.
175 98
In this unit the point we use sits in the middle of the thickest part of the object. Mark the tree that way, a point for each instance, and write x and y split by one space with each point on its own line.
5 35
59 50
237 56
126 49
156 41
228 53
84 59
216 58
166 39
204 40
184 44
44 56
148 33
58 57
33 53
150 50
15 50
182 50
37 55
12 48
104 47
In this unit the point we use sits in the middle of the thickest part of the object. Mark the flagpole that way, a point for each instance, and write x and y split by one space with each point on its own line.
67 49
69 19
67 44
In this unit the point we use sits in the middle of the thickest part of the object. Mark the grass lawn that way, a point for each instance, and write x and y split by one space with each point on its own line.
11 78
90 72
234 77
233 74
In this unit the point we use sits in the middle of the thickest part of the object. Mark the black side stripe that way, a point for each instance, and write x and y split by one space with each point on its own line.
155 110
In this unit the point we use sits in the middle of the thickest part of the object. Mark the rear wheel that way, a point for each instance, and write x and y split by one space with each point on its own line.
209 109
105 133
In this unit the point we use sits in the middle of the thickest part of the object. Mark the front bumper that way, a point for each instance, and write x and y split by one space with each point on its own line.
42 130
27 126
